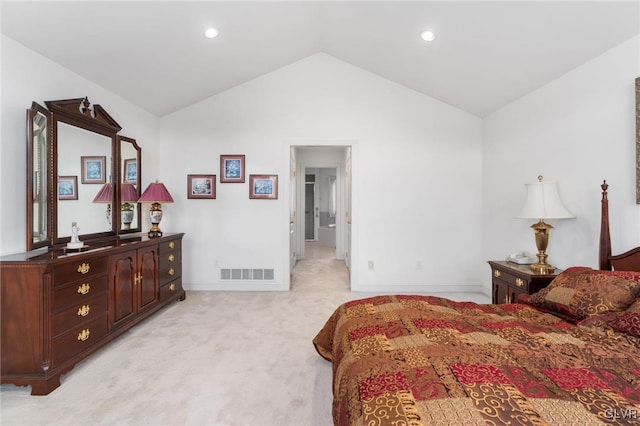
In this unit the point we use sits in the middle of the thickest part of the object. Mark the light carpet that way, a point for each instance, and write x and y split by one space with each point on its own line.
218 358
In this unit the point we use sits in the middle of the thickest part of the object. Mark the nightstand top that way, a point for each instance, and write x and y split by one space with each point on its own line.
522 269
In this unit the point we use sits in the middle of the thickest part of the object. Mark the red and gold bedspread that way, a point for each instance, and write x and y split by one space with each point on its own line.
419 360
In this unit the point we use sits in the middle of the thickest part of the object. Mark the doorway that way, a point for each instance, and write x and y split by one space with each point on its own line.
320 204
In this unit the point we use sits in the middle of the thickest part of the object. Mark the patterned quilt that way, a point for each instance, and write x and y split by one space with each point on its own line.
418 360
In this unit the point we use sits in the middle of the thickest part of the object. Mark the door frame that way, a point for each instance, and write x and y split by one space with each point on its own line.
294 185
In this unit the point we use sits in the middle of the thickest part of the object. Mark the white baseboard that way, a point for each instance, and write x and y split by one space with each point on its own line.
421 289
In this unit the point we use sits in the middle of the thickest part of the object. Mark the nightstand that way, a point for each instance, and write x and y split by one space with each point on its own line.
510 279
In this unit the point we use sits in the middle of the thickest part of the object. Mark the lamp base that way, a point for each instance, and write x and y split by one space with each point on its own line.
541 231
542 268
155 215
154 234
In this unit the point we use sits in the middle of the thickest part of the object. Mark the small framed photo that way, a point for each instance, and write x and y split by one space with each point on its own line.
201 186
67 187
263 187
93 169
131 171
231 168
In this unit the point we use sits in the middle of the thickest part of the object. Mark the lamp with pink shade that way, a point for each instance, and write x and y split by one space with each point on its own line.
156 193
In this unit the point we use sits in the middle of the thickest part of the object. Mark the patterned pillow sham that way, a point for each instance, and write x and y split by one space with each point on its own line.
581 292
629 320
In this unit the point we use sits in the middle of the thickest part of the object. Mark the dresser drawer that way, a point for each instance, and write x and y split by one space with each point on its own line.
79 292
83 268
170 246
79 339
170 290
76 315
170 271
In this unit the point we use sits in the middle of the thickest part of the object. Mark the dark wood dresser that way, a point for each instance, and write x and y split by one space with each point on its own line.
510 279
57 308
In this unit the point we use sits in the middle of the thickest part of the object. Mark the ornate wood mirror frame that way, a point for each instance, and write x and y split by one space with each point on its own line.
38 179
80 142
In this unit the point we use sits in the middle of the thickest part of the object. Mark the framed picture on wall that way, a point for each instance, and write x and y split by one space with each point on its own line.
231 168
201 186
67 187
93 169
263 187
131 170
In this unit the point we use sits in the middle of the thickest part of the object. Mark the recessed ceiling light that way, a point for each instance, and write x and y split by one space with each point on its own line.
428 36
211 32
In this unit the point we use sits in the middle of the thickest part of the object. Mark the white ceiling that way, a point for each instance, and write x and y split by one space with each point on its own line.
486 54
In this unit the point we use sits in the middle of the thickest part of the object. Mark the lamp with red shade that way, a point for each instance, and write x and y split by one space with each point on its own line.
156 193
105 195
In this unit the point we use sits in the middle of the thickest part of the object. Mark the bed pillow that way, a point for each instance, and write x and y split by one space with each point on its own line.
629 320
581 292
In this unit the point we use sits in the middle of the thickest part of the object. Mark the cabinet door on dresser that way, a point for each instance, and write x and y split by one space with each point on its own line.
133 282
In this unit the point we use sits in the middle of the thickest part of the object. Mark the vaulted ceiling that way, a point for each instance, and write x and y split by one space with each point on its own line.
486 54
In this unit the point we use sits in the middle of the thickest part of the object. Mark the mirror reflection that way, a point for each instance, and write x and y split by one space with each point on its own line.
129 185
84 181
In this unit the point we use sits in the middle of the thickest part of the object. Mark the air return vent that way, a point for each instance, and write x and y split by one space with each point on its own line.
238 274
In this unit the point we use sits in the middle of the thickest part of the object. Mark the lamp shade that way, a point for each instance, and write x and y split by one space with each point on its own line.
128 193
543 202
156 192
105 195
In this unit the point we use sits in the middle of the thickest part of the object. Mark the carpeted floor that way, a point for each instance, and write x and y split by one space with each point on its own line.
218 358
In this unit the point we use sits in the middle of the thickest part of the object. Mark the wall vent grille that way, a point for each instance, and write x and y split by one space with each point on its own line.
246 274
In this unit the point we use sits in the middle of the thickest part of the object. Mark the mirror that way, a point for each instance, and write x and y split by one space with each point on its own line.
129 168
85 157
38 154
82 176
77 167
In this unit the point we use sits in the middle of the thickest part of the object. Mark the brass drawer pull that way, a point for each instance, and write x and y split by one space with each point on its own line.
84 268
84 311
172 271
172 244
171 258
172 287
84 335
84 288
496 273
519 282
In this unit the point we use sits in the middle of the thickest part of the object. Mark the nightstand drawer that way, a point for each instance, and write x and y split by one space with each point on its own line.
510 279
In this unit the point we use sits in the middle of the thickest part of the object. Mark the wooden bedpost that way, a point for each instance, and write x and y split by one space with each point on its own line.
605 238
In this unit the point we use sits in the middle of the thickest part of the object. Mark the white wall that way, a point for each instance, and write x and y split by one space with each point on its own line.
416 177
577 130
26 77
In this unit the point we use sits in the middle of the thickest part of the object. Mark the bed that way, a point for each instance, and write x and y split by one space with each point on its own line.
567 355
